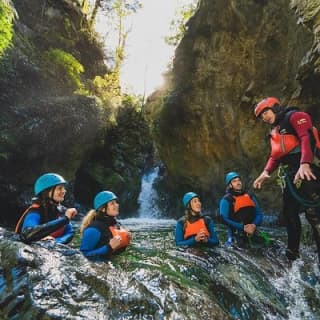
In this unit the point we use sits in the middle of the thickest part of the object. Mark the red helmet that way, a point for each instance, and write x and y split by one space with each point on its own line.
267 103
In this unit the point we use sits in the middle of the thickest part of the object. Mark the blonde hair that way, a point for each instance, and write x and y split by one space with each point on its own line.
88 218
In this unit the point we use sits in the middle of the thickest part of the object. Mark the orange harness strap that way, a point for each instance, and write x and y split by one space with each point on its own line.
20 221
17 230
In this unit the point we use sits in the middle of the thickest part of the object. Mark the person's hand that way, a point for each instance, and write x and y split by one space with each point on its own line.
201 236
71 212
115 242
249 228
257 184
48 238
304 172
204 239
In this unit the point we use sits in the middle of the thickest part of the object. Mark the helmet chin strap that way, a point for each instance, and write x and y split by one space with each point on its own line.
104 210
279 115
233 190
276 108
196 212
51 193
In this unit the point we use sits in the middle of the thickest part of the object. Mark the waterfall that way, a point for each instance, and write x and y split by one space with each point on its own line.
148 196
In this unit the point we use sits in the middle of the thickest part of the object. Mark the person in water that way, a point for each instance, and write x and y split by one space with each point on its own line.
101 233
294 144
194 228
47 218
239 210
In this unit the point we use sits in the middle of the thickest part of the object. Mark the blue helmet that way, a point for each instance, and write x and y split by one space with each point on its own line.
187 198
46 181
102 198
230 176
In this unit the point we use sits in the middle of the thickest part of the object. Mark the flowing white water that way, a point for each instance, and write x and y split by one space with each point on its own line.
149 215
295 285
148 224
148 196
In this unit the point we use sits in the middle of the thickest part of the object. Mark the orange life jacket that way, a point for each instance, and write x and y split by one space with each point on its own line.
123 233
17 230
243 208
282 144
242 201
191 229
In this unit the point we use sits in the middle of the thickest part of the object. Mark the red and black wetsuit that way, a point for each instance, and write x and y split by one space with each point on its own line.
299 124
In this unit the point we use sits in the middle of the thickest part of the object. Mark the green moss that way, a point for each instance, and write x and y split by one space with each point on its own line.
6 27
133 259
64 66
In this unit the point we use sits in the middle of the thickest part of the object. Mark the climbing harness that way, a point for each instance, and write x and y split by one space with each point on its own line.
281 181
285 180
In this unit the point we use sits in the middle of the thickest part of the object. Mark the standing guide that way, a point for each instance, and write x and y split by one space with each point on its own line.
294 146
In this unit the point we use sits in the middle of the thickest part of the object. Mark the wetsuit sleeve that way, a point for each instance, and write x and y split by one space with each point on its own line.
67 236
213 239
32 230
271 165
224 212
302 124
179 236
90 239
259 215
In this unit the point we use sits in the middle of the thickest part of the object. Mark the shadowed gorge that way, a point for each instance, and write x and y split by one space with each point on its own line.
63 110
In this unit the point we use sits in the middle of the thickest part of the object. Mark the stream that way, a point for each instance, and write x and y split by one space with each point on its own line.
155 279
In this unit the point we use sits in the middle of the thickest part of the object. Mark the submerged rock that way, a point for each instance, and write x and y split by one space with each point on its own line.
51 281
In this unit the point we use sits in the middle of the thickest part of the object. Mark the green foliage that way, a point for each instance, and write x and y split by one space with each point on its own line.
64 67
107 88
115 12
133 101
6 27
178 26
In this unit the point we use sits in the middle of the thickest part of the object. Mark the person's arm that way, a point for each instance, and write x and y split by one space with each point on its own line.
89 241
271 165
302 124
32 230
224 212
67 235
213 240
259 215
179 236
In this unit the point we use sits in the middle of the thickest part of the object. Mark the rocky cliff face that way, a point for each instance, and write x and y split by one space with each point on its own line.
233 54
58 111
45 124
